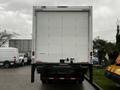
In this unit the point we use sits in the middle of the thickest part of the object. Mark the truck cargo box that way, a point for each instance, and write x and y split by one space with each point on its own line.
62 43
62 32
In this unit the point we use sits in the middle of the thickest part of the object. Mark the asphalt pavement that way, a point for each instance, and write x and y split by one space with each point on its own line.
19 79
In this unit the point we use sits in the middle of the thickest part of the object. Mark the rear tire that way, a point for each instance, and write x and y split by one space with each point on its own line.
44 81
6 64
79 82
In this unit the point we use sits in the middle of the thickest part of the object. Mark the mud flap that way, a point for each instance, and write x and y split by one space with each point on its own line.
33 73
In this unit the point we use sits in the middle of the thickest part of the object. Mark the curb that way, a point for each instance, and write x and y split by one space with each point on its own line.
96 86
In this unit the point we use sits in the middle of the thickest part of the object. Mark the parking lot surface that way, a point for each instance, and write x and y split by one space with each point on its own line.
19 79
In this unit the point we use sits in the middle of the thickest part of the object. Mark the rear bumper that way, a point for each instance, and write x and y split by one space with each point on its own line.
112 76
44 67
59 78
45 70
11 62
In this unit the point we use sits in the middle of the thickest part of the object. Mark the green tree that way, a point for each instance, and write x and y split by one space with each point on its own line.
104 48
99 44
4 37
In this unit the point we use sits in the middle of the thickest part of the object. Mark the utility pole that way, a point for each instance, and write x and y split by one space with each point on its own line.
118 33
118 36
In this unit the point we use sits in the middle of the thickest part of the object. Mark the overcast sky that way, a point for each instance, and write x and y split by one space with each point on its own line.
16 15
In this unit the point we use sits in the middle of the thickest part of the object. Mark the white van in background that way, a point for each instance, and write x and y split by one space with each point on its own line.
9 56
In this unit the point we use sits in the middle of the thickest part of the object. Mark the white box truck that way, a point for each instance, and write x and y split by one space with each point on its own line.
62 43
9 56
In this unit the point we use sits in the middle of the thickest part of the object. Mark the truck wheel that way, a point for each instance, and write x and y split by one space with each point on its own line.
79 82
6 64
44 81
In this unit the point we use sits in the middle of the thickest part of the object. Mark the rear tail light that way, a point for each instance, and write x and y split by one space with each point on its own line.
72 78
51 78
61 78
38 61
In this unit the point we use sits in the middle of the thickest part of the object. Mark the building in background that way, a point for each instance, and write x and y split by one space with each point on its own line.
23 45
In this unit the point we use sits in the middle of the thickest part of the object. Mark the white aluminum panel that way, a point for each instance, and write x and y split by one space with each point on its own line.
75 36
61 35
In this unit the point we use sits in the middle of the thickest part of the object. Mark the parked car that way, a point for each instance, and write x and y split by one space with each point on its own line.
23 59
9 56
95 60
